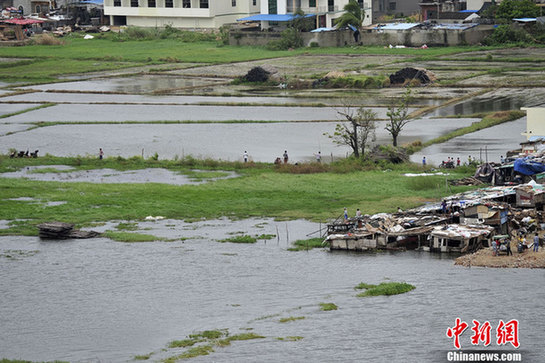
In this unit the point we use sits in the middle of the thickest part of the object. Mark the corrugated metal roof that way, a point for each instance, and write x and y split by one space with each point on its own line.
273 17
525 20
455 26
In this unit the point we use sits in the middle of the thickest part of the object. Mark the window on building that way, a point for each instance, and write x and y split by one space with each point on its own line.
38 9
134 3
151 3
186 4
360 3
254 2
391 6
311 3
169 3
117 2
203 4
330 5
233 2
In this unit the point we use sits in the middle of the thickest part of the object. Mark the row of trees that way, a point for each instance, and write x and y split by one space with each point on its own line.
358 132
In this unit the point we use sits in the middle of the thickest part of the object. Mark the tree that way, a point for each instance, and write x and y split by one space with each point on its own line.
353 15
399 116
358 133
510 9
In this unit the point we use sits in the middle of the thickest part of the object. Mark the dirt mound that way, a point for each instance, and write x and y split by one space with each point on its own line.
411 75
257 74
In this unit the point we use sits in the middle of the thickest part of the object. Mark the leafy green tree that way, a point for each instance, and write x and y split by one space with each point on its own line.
399 116
353 15
509 9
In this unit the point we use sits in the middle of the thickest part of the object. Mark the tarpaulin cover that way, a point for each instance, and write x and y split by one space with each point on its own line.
22 21
527 167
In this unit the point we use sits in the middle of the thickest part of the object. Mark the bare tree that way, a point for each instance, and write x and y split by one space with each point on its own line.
358 132
399 116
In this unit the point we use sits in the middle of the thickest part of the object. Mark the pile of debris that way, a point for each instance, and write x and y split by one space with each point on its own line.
60 230
466 181
409 74
257 74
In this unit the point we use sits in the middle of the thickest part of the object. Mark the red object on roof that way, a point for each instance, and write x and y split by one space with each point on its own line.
20 21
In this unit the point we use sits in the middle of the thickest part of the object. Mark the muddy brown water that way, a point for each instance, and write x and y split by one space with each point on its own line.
103 301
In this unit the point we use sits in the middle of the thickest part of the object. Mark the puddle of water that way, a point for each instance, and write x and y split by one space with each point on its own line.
129 299
155 175
140 84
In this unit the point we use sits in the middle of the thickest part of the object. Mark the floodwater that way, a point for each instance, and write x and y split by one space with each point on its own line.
11 108
103 301
226 141
486 145
154 175
151 113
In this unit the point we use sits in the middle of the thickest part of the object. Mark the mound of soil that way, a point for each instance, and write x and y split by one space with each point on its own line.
410 74
257 74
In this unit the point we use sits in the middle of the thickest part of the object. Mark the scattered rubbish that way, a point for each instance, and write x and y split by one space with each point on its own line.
152 218
88 36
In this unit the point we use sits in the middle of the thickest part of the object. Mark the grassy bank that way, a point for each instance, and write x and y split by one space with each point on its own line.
260 191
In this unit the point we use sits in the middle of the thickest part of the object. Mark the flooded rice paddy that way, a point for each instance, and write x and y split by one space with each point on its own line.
103 301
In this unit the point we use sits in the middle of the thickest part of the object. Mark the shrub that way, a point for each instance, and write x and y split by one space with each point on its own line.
507 34
47 39
290 38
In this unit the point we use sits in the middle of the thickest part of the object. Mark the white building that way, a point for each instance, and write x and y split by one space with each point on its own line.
193 14
326 11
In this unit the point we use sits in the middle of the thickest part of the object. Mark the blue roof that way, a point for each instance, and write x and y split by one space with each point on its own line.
273 17
468 11
323 29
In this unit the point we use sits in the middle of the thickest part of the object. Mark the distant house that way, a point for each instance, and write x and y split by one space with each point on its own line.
326 11
193 14
443 9
535 122
401 8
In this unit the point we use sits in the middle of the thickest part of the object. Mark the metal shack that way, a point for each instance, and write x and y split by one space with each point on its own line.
530 195
459 238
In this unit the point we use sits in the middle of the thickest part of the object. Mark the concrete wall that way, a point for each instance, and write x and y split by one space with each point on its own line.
409 38
535 121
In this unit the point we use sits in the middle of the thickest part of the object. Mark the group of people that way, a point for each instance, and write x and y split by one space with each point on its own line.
345 213
521 245
285 157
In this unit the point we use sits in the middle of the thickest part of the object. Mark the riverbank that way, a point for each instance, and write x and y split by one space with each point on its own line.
485 258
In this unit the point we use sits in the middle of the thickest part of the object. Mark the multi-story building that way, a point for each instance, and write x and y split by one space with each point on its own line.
326 11
395 7
193 14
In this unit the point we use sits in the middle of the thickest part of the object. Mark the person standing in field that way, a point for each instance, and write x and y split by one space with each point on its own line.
245 156
100 154
285 156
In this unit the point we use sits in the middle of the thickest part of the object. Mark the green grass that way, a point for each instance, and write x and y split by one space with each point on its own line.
209 334
132 237
184 343
328 306
143 356
240 239
127 226
385 288
291 318
45 105
307 244
291 338
265 236
191 353
260 191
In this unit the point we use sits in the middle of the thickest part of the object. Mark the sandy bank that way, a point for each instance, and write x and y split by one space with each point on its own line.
484 258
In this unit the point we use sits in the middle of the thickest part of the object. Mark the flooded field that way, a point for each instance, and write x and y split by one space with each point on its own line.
103 301
226 141
62 174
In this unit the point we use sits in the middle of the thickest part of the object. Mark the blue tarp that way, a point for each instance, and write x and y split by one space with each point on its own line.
526 166
525 20
319 30
273 17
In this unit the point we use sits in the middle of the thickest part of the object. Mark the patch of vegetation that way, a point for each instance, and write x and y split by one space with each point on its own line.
184 343
291 318
353 81
239 239
291 338
265 236
191 353
133 237
424 182
385 288
45 105
209 334
127 226
143 356
328 306
307 244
